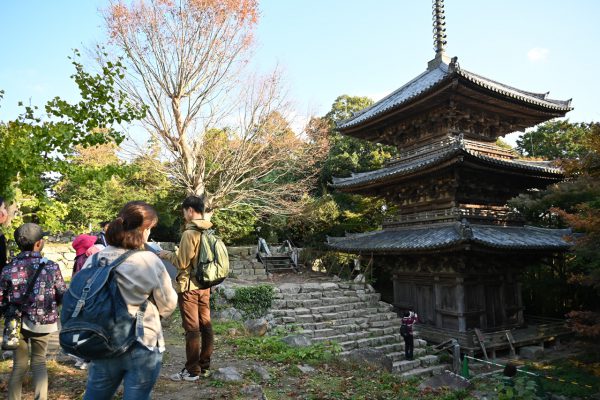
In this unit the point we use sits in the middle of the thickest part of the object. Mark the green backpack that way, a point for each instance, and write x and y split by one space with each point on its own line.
213 263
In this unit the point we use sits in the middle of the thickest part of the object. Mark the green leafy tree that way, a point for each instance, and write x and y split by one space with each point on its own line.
334 213
556 139
572 203
35 148
347 154
99 183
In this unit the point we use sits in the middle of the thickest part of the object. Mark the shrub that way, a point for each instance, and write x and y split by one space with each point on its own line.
253 301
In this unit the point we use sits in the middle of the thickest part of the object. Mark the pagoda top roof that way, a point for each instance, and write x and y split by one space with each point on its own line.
450 236
441 151
439 72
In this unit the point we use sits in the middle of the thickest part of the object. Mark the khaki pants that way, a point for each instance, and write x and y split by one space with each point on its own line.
38 342
195 314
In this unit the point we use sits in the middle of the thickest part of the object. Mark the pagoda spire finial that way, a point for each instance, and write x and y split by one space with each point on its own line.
439 27
439 35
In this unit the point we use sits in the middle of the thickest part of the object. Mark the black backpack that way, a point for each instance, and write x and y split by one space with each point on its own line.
404 330
95 321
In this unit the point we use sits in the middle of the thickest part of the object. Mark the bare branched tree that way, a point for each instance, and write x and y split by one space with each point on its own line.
225 132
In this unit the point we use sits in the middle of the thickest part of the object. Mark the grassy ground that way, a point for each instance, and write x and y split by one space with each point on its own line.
573 373
331 378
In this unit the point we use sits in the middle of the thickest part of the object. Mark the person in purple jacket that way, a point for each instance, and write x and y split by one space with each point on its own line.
409 319
39 311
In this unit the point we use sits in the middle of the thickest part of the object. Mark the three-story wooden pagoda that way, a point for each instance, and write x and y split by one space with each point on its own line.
455 250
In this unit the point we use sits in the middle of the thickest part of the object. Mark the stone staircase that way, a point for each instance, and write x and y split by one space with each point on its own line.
244 265
353 316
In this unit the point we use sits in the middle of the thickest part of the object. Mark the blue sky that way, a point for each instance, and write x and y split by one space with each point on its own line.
332 47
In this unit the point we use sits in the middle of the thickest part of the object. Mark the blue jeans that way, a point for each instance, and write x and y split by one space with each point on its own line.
138 369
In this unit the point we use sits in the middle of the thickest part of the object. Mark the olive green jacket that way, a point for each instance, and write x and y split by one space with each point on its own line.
186 257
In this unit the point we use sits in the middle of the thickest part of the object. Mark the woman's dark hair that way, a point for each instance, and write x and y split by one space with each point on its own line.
194 202
127 230
1 200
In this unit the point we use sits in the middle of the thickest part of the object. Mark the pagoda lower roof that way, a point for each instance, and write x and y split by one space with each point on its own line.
456 149
438 75
452 236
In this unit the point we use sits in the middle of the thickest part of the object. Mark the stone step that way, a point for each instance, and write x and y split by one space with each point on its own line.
391 347
335 338
376 341
405 365
321 333
423 372
352 316
399 355
341 329
303 318
424 361
428 360
384 323
331 294
323 286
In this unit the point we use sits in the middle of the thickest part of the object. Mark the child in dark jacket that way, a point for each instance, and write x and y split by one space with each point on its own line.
39 310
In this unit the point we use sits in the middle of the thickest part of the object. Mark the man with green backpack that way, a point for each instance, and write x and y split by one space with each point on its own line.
202 261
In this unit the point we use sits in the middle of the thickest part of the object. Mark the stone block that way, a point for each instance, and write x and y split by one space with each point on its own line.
310 287
406 365
372 357
289 288
228 374
531 352
429 360
257 327
329 286
297 340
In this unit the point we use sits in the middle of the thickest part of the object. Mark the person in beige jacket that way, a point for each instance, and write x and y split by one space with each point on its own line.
194 303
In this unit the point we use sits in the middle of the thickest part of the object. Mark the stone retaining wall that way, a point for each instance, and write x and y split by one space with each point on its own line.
61 252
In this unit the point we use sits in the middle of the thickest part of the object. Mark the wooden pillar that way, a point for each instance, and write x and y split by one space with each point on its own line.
501 295
482 305
437 294
396 289
460 304
519 294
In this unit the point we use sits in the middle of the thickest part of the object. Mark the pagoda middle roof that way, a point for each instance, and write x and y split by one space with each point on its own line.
439 74
448 236
439 152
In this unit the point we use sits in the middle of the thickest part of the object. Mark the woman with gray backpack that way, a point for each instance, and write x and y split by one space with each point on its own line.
143 289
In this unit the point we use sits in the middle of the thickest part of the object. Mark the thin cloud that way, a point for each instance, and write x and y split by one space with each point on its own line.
538 54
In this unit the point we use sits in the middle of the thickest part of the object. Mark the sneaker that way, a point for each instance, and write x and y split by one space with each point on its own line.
184 375
84 365
205 373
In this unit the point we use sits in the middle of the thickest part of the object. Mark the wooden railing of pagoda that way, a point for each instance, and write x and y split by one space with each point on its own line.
537 330
498 215
438 146
431 148
488 149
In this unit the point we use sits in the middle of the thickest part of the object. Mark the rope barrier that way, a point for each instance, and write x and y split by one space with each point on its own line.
551 378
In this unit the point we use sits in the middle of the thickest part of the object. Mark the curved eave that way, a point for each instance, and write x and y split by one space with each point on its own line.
443 159
539 169
452 237
537 99
407 96
385 174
